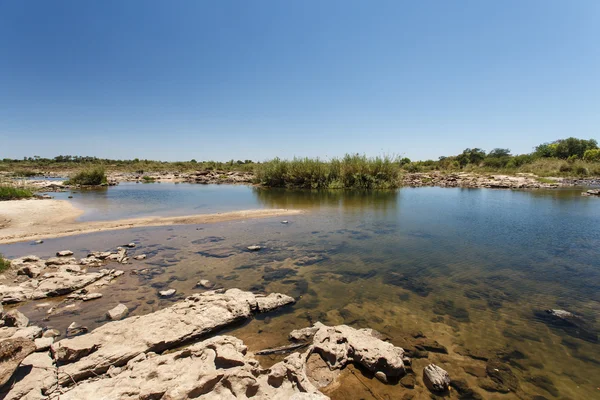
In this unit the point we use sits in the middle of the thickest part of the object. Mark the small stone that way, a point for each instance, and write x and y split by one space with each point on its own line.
284 222
76 329
118 273
436 378
119 312
254 248
131 245
15 318
39 242
205 284
167 293
43 343
51 333
91 296
381 376
64 253
140 257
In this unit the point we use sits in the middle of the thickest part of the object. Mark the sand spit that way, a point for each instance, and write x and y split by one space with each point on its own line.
23 220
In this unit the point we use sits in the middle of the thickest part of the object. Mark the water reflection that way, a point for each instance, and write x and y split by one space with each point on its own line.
345 200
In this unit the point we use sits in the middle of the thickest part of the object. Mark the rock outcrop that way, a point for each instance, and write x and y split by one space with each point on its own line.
115 343
12 352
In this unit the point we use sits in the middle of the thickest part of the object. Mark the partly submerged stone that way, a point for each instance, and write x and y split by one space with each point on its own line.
12 352
140 257
167 293
64 253
118 312
435 378
115 343
340 345
254 248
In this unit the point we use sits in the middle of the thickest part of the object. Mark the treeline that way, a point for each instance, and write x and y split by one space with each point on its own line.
569 156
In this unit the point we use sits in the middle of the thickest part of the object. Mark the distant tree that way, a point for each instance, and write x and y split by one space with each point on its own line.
566 148
470 156
404 161
193 161
499 153
592 155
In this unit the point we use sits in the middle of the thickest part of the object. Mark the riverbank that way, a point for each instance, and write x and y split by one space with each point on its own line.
23 220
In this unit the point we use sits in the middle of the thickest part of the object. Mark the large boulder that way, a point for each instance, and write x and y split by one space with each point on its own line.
12 352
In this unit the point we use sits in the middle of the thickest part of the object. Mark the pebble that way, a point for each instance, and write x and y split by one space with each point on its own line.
167 293
254 248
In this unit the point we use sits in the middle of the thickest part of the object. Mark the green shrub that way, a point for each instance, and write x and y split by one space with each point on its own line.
4 263
89 177
148 179
592 155
565 168
582 171
14 193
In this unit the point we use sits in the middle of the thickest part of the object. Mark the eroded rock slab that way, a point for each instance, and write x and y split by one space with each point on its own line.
217 368
115 343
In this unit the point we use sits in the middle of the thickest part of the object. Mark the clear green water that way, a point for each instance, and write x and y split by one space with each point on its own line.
468 268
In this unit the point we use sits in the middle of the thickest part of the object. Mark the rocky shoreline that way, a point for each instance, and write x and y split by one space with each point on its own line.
434 178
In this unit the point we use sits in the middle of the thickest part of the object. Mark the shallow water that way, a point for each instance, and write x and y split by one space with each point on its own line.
466 267
130 200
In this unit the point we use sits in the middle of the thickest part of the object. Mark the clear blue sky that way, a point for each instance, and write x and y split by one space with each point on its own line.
177 80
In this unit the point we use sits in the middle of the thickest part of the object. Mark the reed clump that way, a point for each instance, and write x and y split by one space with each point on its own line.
350 172
14 193
94 176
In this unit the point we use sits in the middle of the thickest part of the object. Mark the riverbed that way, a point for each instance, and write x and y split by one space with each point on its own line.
469 268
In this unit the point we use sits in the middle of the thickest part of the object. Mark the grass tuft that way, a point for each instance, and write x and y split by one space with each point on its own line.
14 193
4 263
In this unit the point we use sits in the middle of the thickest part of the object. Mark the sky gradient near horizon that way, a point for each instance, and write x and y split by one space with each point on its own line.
181 80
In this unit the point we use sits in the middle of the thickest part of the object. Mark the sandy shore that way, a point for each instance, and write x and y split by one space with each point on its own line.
23 220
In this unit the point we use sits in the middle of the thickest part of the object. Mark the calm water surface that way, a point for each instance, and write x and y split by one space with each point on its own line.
469 268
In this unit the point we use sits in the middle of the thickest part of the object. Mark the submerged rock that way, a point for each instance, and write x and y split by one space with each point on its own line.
167 293
206 284
436 379
119 312
570 323
64 253
12 352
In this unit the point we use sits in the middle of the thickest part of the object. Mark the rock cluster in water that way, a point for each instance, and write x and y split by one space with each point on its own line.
469 180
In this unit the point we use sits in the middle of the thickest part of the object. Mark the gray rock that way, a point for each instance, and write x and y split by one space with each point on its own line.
51 333
76 329
119 312
131 245
217 368
436 379
167 293
184 321
39 242
15 318
12 352
91 296
43 343
272 301
254 248
60 261
304 334
340 345
140 257
206 284
36 371
64 253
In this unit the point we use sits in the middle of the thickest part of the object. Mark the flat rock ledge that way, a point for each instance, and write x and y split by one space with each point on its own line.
115 343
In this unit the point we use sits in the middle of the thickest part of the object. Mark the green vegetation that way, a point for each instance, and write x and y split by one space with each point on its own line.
14 193
352 171
89 177
545 180
564 157
148 179
4 263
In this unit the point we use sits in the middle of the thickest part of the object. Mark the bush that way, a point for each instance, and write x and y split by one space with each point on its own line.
14 193
582 171
88 177
148 179
4 263
592 155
